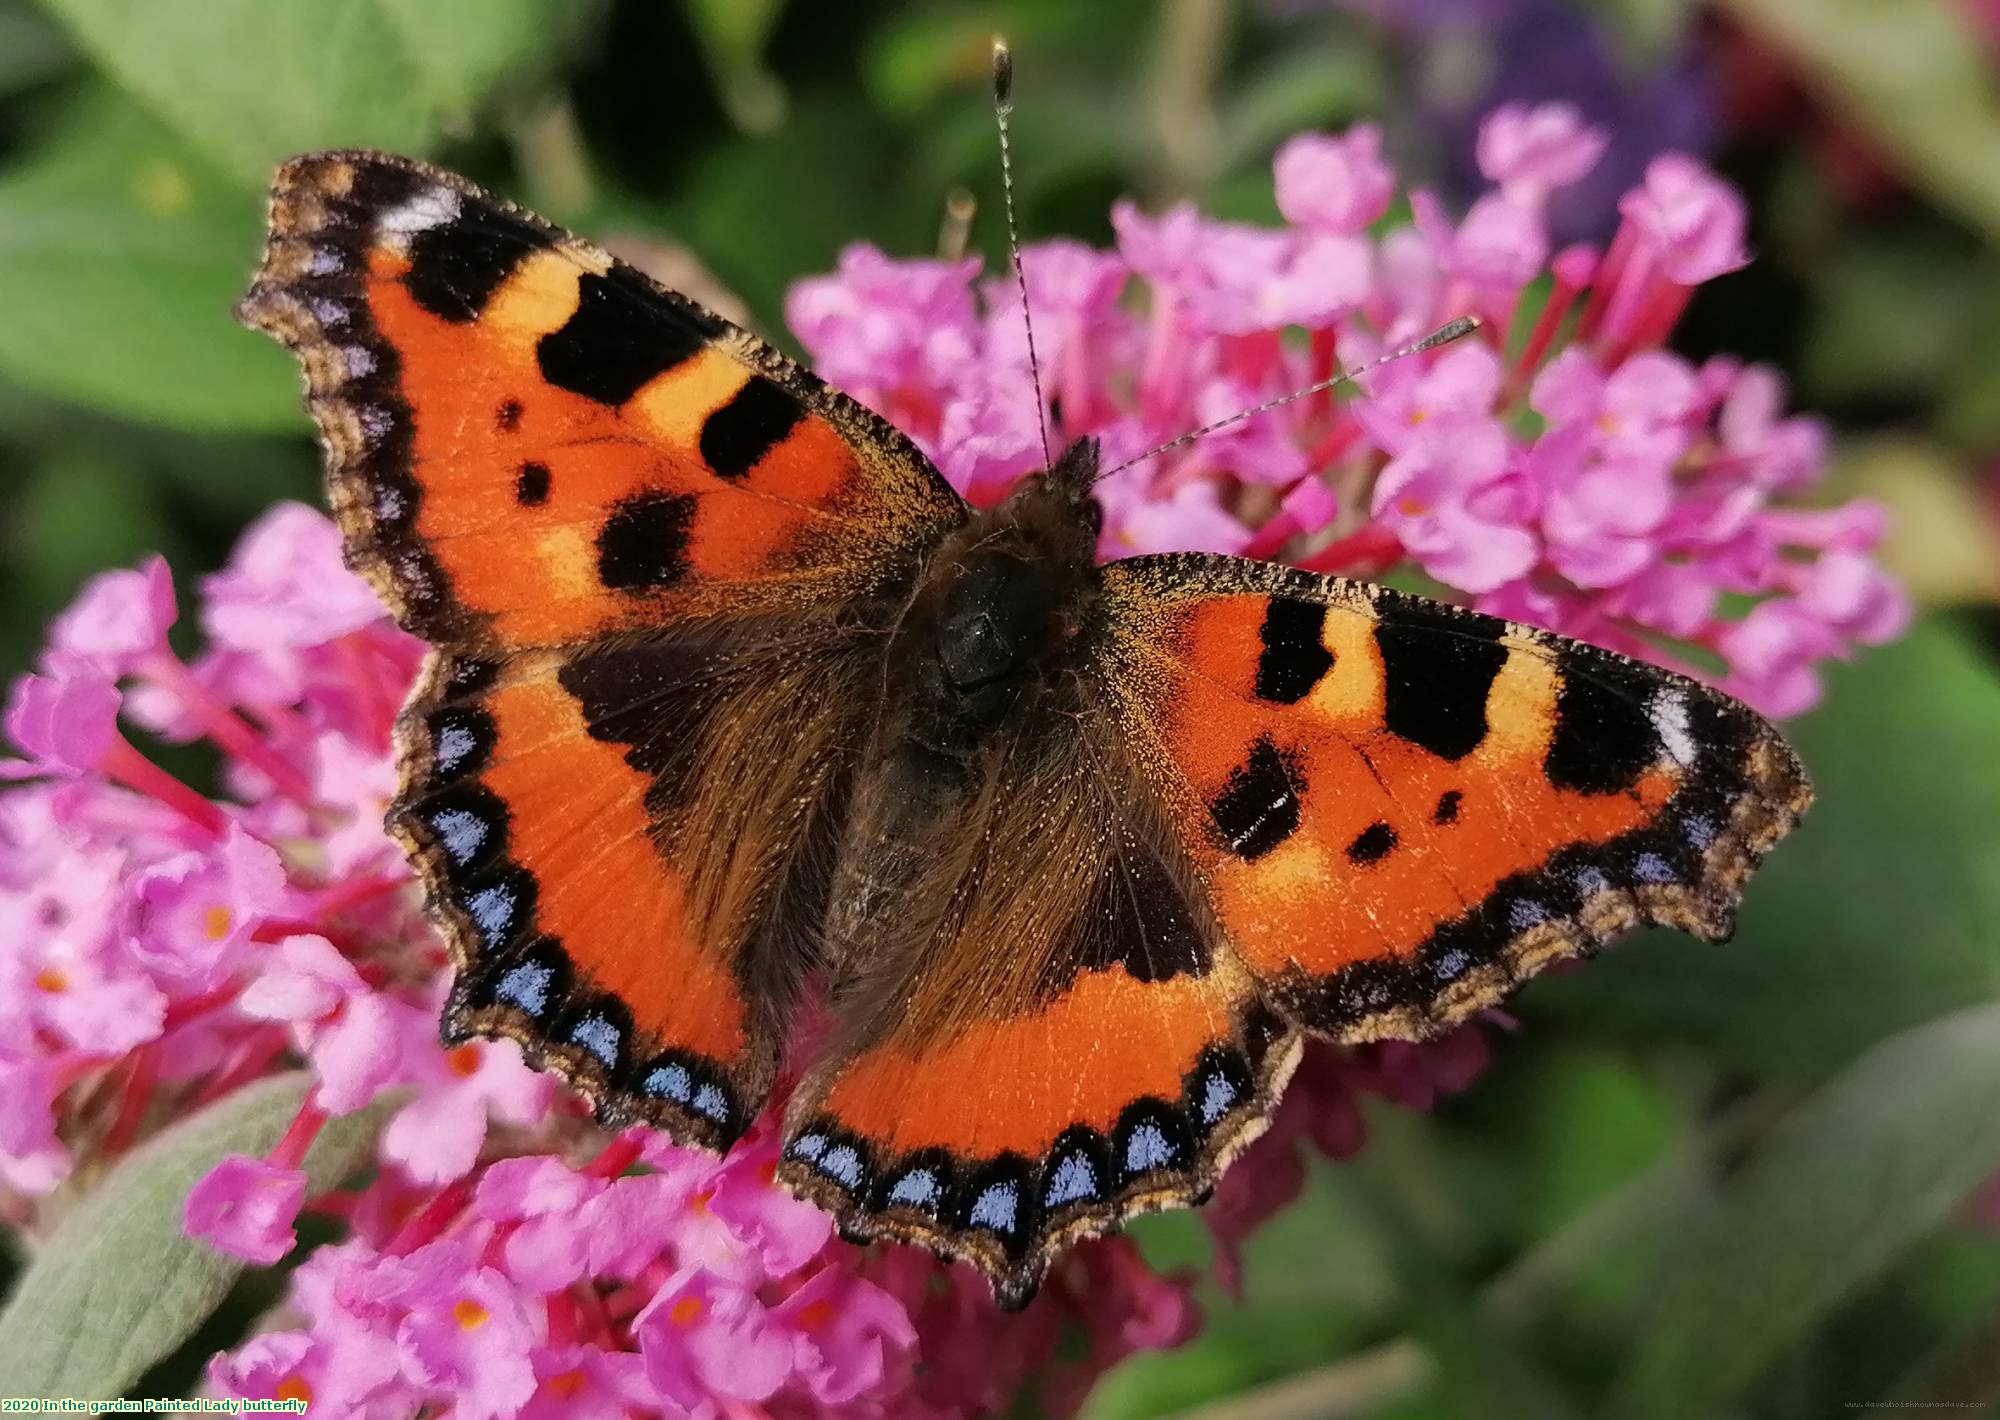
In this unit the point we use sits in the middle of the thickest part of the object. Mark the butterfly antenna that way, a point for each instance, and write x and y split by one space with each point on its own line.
1443 335
1003 106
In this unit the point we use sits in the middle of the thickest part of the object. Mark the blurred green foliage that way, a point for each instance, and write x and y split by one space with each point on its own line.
1702 1180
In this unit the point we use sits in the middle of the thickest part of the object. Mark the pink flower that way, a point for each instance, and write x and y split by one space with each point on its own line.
120 619
192 914
1690 220
463 1332
882 325
351 1033
286 587
1333 184
436 1137
705 1337
544 1200
1531 152
851 1336
1452 502
588 1383
246 1207
66 718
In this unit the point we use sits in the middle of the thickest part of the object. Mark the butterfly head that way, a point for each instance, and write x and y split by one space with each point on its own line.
1061 493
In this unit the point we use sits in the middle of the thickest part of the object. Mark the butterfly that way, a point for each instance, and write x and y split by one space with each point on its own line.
733 705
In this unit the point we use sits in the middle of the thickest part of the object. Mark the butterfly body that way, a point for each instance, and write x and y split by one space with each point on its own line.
735 705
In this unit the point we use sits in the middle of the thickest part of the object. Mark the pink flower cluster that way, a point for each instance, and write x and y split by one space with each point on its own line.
160 948
1561 468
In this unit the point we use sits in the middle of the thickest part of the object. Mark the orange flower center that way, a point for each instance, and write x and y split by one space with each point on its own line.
698 1205
1412 507
216 920
294 1387
814 1315
685 1312
566 1385
464 1061
469 1315
51 979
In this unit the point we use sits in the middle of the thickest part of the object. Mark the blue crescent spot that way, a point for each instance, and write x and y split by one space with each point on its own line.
1073 1179
1698 830
599 1037
1147 1149
1449 965
526 986
916 1189
995 1208
843 1165
808 1147
670 1082
462 832
492 912
1589 881
710 1101
1652 868
454 744
1526 913
1217 1095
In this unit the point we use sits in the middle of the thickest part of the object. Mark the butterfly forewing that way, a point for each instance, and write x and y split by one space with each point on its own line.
1401 809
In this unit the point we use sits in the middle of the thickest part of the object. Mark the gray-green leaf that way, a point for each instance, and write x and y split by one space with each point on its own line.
251 82
1836 1192
117 1286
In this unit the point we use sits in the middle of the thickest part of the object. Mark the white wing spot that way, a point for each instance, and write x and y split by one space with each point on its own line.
1669 713
432 207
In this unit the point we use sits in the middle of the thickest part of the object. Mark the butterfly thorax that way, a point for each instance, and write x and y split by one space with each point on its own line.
994 622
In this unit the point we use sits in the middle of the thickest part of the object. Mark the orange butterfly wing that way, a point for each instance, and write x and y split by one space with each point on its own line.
1402 809
1320 808
631 530
1075 1044
532 444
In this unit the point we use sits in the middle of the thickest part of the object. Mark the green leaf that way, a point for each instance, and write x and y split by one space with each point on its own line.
251 82
733 34
1882 912
1911 75
117 1286
1835 1193
121 254
466 49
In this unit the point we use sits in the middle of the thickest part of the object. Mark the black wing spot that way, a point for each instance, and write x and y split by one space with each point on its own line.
753 423
456 267
1603 739
531 485
622 334
508 415
1141 919
1258 808
1447 807
1438 665
1372 844
643 544
1294 658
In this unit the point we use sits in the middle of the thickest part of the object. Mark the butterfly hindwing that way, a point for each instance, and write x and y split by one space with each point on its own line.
1048 1036
1402 809
532 444
626 846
